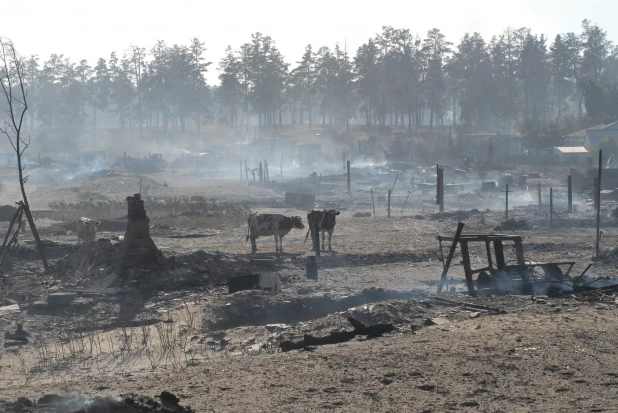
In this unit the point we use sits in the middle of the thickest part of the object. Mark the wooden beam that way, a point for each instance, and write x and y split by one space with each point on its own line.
449 257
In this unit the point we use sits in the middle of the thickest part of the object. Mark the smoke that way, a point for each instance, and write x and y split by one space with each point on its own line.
97 165
545 280
84 404
592 281
367 163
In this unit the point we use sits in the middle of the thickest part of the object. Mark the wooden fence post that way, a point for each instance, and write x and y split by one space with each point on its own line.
570 194
373 204
598 197
507 203
349 186
389 204
440 188
449 258
551 207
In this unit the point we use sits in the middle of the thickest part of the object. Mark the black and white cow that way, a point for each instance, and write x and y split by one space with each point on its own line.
325 219
261 225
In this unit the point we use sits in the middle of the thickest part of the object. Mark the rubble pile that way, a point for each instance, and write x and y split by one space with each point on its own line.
52 403
513 224
253 307
92 263
394 312
90 255
216 266
354 260
250 308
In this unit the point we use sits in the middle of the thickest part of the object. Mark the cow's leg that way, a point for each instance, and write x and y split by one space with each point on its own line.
281 243
276 242
323 238
313 238
253 246
330 237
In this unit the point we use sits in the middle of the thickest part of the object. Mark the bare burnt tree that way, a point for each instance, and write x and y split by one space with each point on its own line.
15 93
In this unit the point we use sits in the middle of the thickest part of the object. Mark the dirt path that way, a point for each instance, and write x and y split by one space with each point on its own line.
516 363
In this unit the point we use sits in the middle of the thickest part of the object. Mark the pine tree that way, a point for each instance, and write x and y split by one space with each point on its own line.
366 70
306 72
100 85
84 73
436 49
561 72
230 90
201 91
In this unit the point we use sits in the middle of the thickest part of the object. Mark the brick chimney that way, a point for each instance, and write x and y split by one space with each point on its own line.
137 249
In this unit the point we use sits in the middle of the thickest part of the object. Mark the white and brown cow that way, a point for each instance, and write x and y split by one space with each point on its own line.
325 220
86 229
261 225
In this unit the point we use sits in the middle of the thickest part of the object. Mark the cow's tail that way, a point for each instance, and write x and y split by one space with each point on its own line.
307 235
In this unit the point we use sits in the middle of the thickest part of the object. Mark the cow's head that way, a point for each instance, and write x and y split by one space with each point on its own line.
297 222
92 224
92 229
332 212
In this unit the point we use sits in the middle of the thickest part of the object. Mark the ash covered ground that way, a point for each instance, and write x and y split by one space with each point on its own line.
123 339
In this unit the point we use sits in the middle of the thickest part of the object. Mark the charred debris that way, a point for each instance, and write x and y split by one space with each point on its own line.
129 403
519 275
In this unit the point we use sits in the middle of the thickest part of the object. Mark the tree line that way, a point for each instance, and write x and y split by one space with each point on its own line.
395 78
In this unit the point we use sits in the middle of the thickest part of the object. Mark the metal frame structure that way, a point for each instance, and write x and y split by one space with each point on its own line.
521 267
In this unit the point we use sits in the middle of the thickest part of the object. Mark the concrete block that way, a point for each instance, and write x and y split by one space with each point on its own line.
39 305
60 298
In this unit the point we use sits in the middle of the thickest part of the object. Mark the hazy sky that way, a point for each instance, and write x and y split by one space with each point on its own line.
93 29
